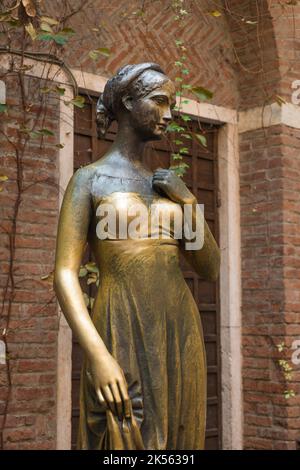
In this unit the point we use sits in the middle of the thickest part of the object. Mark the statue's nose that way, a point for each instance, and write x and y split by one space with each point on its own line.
167 116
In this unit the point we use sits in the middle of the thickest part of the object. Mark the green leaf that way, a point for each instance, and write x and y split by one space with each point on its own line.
14 23
39 133
178 79
60 38
47 19
178 142
46 27
78 101
45 90
176 156
67 31
3 108
104 51
185 117
178 63
185 71
34 134
3 178
289 394
31 31
281 346
60 90
93 55
184 151
174 127
215 13
60 146
179 169
138 13
187 136
45 131
202 139
202 93
186 87
91 267
98 52
4 16
45 37
83 272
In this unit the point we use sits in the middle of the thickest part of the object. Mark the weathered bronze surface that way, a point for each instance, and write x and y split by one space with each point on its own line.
143 383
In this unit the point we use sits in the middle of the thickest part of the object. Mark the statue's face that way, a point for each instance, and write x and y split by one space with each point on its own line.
151 114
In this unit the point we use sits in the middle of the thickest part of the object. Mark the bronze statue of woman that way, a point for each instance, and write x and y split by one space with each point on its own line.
143 382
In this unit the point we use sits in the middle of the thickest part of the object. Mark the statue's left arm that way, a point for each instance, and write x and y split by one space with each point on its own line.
205 259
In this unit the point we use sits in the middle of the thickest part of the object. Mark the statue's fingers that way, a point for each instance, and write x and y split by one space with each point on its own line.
125 399
117 399
160 184
160 175
109 398
100 397
159 179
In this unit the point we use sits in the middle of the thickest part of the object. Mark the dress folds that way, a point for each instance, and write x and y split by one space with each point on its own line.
149 321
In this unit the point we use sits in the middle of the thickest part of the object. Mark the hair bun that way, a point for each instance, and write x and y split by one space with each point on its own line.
104 117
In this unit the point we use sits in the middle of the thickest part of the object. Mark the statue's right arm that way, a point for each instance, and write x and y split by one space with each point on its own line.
75 216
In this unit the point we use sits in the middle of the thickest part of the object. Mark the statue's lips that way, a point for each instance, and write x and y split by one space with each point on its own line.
162 127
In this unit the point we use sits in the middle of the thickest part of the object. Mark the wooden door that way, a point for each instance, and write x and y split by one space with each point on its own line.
201 178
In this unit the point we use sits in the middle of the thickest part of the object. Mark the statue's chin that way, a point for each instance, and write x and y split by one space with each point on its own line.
152 138
156 135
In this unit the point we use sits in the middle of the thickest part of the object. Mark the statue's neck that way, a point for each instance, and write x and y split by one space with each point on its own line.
128 144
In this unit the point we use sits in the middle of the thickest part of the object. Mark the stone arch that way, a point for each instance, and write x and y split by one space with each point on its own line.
255 50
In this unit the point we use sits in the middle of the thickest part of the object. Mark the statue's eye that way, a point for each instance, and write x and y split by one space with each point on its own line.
159 99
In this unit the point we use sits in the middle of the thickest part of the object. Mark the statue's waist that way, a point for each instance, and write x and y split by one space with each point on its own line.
144 254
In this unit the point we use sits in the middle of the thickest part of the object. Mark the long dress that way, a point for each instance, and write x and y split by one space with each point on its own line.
149 321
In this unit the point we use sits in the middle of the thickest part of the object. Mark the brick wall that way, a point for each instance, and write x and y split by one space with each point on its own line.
270 304
151 38
32 333
291 272
287 36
